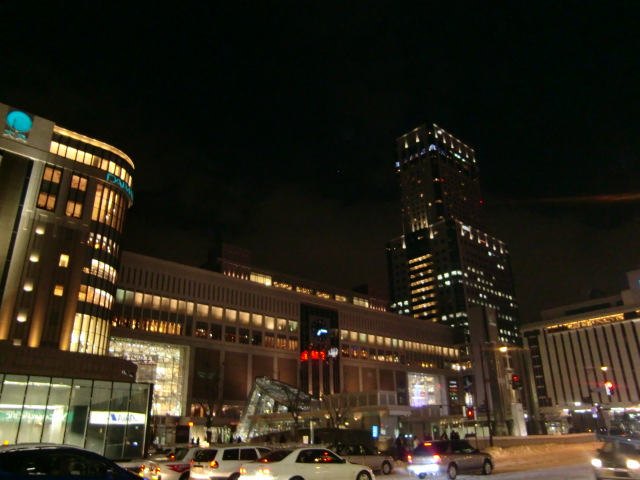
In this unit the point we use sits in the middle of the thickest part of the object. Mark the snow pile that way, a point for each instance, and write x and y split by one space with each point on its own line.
545 454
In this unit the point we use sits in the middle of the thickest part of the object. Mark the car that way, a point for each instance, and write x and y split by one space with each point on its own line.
619 457
304 463
365 456
448 457
175 466
59 461
223 462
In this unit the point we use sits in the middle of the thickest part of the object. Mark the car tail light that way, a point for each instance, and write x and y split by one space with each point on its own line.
596 462
264 471
409 459
213 464
243 470
633 464
157 470
437 459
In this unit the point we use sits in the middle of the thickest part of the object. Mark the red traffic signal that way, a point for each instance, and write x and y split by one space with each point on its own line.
516 382
471 413
609 388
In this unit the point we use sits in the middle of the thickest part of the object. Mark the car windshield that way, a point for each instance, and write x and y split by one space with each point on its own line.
275 456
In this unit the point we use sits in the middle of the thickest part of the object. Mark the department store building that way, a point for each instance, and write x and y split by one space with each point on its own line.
184 326
63 202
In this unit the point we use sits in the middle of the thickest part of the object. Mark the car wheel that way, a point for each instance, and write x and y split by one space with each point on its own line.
452 471
422 475
363 475
487 468
234 476
185 476
386 468
296 478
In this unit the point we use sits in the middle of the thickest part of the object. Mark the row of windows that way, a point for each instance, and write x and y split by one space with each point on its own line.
212 331
89 334
95 296
414 359
108 207
157 302
104 243
87 158
188 287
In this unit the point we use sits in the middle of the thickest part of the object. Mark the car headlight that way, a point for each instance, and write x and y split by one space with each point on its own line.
596 462
633 464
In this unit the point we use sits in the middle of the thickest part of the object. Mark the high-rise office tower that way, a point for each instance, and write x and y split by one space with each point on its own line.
451 263
63 200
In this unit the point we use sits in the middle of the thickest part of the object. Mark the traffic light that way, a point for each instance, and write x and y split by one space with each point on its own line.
516 382
609 388
471 413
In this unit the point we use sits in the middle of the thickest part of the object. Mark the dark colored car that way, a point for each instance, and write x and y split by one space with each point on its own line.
619 457
448 457
58 461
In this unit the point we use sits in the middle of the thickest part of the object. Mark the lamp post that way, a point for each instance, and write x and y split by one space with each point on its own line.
486 395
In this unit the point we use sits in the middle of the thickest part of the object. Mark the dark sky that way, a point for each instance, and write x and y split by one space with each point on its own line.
272 124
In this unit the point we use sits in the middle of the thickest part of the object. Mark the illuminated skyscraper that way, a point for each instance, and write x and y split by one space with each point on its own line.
452 264
63 201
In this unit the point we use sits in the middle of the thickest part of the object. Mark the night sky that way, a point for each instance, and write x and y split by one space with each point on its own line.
272 124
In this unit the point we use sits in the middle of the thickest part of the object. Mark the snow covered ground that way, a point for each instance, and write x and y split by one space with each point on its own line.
545 461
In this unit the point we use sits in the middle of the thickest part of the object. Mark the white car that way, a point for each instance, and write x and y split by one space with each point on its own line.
365 456
223 462
304 463
175 466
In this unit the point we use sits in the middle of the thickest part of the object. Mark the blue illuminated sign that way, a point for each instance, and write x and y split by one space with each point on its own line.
111 178
375 431
18 125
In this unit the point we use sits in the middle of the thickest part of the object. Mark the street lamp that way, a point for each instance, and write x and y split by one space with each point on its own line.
486 396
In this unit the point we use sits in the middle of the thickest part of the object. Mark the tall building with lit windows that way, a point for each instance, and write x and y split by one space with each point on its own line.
451 263
64 198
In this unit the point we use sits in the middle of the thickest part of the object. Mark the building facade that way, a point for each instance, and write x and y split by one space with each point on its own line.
456 274
452 264
204 337
63 202
584 359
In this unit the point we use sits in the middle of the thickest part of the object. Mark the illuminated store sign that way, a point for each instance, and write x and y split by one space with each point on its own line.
17 125
116 418
312 355
111 178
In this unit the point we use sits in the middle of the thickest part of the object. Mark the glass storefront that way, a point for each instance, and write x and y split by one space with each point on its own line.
162 364
109 418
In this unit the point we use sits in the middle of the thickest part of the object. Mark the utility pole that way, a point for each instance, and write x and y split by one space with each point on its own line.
486 395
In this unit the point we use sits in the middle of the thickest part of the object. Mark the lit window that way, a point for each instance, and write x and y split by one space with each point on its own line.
64 260
58 290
